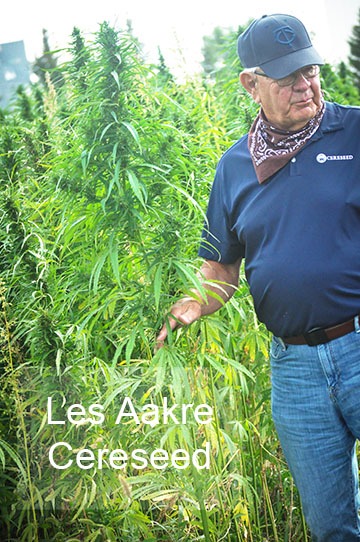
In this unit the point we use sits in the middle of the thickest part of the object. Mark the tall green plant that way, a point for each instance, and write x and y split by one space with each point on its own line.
104 185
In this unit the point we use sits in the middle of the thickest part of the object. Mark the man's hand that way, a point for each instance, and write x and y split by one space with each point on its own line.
182 313
220 282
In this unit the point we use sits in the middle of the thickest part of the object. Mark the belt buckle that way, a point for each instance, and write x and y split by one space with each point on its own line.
316 336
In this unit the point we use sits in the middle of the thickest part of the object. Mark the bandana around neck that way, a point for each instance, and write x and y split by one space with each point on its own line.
271 148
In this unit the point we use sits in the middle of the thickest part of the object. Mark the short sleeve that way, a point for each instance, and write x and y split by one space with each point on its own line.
219 241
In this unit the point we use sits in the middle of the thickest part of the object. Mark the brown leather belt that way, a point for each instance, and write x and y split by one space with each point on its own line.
320 336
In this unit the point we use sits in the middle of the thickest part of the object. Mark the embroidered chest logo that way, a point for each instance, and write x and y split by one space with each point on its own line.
322 158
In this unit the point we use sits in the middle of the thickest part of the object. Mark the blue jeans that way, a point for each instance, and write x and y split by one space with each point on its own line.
316 410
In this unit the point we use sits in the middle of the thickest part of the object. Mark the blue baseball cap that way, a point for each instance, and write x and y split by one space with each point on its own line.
278 44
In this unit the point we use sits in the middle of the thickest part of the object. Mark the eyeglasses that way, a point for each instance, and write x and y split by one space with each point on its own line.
309 72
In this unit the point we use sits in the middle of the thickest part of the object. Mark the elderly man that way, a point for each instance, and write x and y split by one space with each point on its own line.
286 198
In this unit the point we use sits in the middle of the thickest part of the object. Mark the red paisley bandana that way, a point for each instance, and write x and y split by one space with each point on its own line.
271 148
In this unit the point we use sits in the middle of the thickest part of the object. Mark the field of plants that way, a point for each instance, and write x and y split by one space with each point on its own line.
105 175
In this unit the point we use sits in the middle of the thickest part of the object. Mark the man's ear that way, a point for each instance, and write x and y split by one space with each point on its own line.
249 83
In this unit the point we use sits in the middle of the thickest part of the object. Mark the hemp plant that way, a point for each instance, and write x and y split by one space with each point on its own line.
103 188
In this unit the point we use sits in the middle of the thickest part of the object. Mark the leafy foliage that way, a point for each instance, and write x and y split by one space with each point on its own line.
338 84
354 58
47 64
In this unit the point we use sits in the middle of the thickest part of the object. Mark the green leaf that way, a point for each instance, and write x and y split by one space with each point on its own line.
114 258
137 187
158 284
133 132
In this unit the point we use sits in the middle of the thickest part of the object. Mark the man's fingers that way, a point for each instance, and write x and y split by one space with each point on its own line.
184 312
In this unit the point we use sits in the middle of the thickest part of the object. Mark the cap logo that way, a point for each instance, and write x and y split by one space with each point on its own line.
284 35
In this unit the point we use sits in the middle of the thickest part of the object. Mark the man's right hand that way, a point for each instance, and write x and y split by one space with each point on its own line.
220 282
182 313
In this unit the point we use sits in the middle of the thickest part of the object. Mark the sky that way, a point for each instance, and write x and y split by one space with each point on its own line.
176 27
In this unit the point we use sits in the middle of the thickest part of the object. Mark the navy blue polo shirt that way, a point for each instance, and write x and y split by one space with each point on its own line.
299 232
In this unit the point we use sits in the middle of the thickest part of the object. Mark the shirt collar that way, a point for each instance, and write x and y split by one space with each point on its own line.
332 119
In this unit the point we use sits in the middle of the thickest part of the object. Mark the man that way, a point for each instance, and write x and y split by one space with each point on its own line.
286 198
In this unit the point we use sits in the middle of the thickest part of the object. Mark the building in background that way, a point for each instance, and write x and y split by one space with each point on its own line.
14 70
